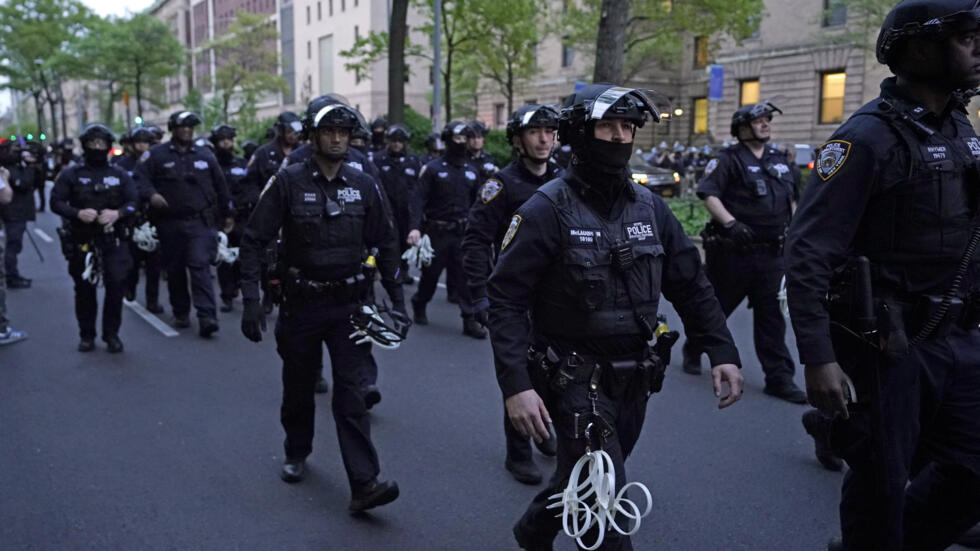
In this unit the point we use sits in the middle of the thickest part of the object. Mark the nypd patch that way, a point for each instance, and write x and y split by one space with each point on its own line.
833 155
515 223
490 190
710 167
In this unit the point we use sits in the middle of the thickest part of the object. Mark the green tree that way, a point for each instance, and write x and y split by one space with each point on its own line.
650 32
96 56
505 54
247 61
151 54
32 33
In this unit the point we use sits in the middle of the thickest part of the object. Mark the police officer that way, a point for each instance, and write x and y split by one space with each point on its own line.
379 127
158 134
434 148
136 147
531 133
330 215
474 145
399 171
883 281
447 189
98 202
186 185
223 139
268 158
588 256
748 190
25 177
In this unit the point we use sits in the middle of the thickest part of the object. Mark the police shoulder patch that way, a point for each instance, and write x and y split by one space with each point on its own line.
490 190
515 223
710 167
833 155
144 156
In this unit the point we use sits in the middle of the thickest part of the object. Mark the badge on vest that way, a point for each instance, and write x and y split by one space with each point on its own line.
710 167
386 168
358 166
81 180
833 155
974 144
201 165
238 171
754 169
934 152
110 181
410 171
579 236
168 164
470 175
349 194
442 175
638 231
490 190
515 223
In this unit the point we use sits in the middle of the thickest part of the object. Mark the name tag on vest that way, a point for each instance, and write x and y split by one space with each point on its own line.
583 237
935 152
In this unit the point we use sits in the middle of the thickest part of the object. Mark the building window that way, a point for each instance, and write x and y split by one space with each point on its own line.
700 119
309 49
834 13
700 52
567 53
307 15
343 5
319 11
499 120
832 97
357 33
532 101
326 65
748 92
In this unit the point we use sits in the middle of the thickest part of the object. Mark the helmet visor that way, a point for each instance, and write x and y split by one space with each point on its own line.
603 103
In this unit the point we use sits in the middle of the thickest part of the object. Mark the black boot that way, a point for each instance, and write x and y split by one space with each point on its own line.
525 472
472 328
373 494
293 470
418 312
818 426
113 343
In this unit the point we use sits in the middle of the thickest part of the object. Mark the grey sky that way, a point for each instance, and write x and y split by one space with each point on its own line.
117 7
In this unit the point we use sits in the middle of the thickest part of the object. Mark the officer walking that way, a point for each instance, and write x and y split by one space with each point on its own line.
186 184
24 179
329 214
883 281
588 256
531 133
379 130
233 168
135 148
434 148
98 202
447 189
399 171
748 190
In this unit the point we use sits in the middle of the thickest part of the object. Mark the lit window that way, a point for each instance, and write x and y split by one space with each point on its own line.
832 97
748 92
700 52
700 118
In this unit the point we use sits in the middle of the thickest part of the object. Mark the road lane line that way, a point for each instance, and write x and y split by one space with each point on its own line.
44 237
151 319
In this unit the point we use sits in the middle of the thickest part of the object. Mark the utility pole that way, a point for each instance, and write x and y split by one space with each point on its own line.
436 65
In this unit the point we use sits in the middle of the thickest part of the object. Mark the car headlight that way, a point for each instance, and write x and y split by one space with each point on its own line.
677 178
640 178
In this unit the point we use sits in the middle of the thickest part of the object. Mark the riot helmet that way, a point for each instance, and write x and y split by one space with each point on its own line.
141 134
378 128
434 144
222 132
745 114
333 115
924 18
96 140
288 121
398 132
182 118
455 129
530 116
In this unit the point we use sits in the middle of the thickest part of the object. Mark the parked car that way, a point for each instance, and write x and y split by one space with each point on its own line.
662 181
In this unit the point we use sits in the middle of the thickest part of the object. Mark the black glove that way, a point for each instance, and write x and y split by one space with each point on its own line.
481 311
738 232
253 320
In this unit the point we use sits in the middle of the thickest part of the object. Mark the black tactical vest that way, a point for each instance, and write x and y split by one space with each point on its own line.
764 194
928 204
585 296
324 239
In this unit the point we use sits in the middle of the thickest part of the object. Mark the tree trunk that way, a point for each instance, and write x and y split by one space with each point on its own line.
64 116
139 93
397 33
610 41
447 81
52 105
110 108
510 89
39 111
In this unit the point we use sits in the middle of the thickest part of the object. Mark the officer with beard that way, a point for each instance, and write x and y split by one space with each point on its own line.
748 190
447 189
399 171
586 258
234 168
531 133
98 203
135 149
329 215
884 289
187 188
25 177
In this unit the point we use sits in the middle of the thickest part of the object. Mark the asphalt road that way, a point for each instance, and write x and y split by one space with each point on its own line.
176 444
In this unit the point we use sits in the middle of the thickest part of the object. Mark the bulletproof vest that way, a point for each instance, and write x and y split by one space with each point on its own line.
764 193
97 188
323 233
928 204
585 296
451 191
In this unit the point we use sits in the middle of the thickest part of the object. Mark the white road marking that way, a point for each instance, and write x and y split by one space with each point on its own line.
151 319
44 237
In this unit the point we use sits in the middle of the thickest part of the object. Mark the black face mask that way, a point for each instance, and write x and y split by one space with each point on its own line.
606 157
378 138
223 155
455 150
96 157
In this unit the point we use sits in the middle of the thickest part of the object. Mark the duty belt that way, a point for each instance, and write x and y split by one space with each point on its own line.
353 287
447 226
615 373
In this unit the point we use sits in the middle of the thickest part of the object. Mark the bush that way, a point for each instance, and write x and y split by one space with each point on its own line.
496 145
691 213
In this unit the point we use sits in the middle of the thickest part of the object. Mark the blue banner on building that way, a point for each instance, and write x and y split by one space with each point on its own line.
716 83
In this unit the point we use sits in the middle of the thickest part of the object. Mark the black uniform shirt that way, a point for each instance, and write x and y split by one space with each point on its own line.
447 188
234 169
83 187
399 175
305 180
484 161
866 163
191 181
534 246
498 199
757 192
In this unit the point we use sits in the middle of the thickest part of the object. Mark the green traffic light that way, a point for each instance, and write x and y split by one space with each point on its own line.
30 136
138 120
43 137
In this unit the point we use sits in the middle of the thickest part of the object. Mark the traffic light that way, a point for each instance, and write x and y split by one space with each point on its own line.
138 120
43 137
30 136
